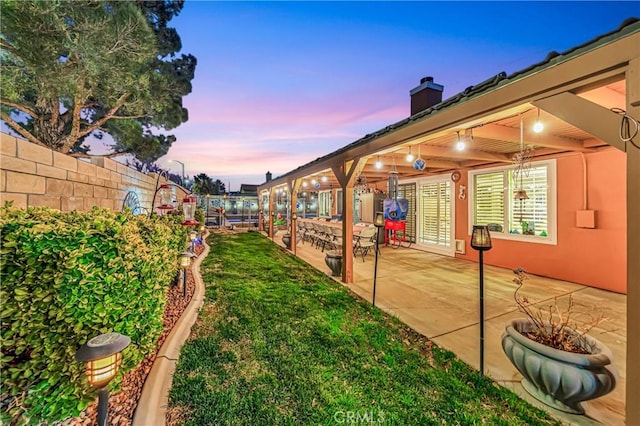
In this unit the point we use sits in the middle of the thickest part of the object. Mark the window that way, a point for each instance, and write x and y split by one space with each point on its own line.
324 203
493 202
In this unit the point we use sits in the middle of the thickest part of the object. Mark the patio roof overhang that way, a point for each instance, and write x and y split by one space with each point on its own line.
590 77
575 92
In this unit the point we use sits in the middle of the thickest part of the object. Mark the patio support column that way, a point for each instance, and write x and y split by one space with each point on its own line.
633 249
272 209
293 187
605 125
346 174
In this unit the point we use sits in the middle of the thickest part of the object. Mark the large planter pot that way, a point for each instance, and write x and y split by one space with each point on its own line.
286 240
333 259
558 378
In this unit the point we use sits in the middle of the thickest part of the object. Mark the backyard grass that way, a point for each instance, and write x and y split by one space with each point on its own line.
278 342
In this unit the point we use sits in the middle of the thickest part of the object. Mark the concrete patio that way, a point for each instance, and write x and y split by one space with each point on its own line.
438 296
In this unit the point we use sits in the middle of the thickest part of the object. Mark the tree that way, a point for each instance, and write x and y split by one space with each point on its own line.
220 188
71 70
202 184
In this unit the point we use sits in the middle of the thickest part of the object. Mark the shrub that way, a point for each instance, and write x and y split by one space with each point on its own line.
555 326
67 277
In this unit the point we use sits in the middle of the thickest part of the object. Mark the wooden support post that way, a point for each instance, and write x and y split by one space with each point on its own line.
633 249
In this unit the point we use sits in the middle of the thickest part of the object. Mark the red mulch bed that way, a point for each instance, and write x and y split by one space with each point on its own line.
122 405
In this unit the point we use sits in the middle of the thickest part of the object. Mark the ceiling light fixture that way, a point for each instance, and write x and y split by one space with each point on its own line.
538 126
324 178
409 156
378 163
460 144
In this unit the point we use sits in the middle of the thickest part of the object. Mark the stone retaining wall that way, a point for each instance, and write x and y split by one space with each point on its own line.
32 175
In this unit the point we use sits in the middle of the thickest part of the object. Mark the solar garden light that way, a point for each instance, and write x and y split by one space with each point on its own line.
192 238
102 356
202 231
185 261
379 223
481 241
272 224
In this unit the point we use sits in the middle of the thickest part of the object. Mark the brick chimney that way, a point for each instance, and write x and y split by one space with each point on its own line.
426 95
268 176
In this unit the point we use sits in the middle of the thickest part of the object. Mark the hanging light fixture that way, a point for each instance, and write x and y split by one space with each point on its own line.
409 156
419 164
378 163
393 180
538 126
460 144
361 186
522 161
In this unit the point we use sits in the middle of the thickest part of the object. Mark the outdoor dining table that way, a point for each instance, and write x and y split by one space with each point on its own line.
356 227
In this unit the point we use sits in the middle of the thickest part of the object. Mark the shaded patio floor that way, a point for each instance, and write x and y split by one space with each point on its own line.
438 296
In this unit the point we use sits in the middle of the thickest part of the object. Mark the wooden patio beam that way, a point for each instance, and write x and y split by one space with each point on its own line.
586 115
510 134
467 154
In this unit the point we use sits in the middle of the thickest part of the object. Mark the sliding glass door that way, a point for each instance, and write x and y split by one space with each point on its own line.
435 215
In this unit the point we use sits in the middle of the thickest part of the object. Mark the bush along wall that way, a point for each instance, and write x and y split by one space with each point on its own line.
68 277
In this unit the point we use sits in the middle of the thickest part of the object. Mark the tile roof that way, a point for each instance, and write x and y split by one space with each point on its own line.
629 26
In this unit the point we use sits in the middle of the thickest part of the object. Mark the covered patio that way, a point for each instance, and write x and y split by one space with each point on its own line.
437 296
583 228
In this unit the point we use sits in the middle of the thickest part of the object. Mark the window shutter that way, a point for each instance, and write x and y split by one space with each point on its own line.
489 198
435 206
408 191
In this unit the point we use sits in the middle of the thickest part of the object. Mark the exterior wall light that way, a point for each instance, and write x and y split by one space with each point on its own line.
481 241
294 216
102 355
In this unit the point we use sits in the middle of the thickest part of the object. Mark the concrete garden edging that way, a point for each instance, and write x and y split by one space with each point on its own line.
153 402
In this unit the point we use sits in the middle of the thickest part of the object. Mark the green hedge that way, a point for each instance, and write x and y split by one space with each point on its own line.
65 278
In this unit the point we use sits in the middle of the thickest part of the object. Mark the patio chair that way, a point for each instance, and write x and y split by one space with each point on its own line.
336 234
364 241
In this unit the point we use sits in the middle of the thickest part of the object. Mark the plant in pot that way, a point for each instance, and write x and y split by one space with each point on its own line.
286 240
561 364
333 259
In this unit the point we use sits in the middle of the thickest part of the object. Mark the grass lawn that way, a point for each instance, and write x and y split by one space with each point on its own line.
278 342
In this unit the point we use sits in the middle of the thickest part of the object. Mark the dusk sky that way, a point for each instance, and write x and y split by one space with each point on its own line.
279 84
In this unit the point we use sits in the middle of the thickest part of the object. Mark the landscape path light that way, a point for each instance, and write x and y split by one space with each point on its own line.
481 241
185 261
192 238
379 223
102 355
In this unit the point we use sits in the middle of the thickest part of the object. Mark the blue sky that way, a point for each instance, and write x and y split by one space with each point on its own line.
279 84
